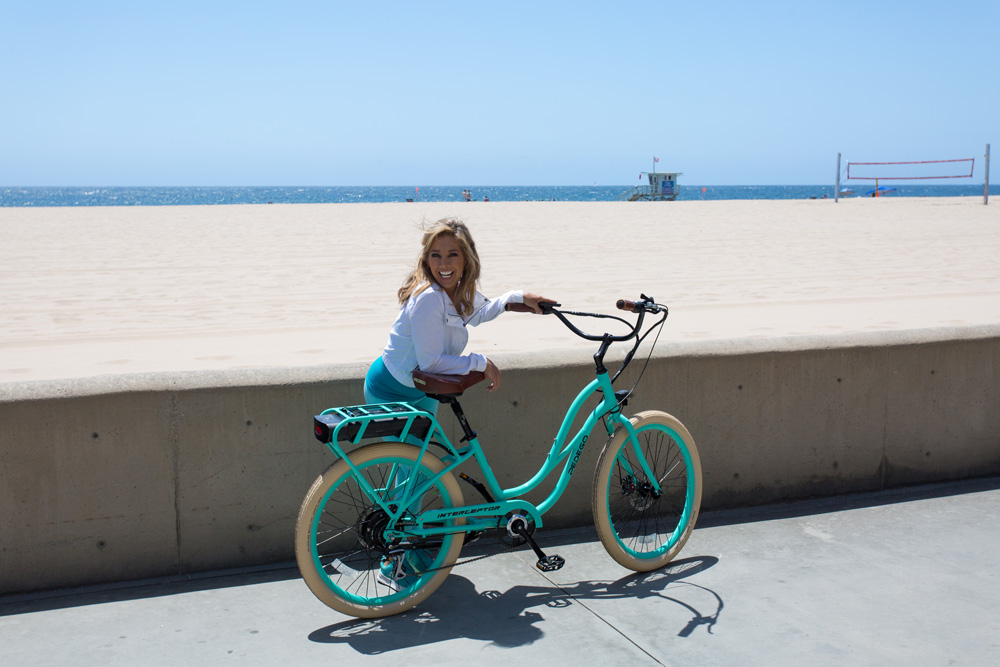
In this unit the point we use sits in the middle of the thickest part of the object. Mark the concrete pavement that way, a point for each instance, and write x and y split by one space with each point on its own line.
907 576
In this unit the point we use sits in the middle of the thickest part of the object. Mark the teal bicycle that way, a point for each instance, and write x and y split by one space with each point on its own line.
382 527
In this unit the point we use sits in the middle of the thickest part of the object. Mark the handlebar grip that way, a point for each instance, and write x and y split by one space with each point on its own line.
647 304
545 306
519 308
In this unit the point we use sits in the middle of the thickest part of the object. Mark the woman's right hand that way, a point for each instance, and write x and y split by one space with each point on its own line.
492 374
532 301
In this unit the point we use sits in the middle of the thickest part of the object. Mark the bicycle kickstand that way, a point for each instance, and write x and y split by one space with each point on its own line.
545 563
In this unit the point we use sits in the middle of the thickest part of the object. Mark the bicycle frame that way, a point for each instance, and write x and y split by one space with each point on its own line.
564 451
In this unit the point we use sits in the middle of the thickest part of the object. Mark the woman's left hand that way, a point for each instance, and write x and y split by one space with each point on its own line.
532 301
493 375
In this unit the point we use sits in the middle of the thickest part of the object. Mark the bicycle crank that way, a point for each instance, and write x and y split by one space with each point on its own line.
519 525
505 529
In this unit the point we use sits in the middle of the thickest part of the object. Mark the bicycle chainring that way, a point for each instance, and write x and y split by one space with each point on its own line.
505 532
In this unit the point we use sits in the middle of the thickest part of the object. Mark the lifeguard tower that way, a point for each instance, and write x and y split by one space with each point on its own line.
662 186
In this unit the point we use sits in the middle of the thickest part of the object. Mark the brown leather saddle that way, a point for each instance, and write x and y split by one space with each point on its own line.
447 386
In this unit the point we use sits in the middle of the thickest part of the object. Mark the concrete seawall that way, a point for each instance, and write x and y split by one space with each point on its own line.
125 477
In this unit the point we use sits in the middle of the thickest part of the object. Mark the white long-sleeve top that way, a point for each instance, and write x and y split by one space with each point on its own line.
429 334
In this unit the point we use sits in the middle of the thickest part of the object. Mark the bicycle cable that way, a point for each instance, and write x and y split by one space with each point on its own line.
659 329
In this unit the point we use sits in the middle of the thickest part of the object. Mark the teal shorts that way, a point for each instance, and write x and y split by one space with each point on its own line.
381 387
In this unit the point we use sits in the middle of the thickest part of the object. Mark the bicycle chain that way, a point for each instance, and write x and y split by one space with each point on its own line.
506 549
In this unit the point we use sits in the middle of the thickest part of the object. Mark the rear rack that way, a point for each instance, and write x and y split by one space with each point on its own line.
381 420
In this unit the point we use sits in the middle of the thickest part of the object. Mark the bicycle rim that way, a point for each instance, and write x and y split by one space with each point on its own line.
640 528
341 551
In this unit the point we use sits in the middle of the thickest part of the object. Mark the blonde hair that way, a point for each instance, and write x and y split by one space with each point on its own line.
421 277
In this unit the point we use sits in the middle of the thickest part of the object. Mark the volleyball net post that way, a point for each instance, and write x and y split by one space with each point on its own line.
986 179
836 186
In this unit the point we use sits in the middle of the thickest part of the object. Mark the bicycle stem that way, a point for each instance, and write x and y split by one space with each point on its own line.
601 351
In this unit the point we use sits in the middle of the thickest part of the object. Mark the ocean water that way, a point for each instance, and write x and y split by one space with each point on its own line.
187 196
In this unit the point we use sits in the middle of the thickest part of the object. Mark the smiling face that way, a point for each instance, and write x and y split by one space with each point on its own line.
446 263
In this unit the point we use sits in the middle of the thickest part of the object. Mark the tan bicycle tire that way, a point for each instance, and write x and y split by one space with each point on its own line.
317 580
651 425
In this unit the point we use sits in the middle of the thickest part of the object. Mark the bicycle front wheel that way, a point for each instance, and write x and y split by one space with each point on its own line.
641 528
340 544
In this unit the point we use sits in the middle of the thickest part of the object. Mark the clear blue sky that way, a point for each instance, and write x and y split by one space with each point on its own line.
499 93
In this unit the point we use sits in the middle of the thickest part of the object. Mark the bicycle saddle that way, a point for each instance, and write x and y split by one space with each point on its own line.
436 384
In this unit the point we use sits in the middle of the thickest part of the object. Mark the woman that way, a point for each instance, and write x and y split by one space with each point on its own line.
438 300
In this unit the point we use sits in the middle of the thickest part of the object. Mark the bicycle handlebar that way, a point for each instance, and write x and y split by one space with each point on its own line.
644 305
548 307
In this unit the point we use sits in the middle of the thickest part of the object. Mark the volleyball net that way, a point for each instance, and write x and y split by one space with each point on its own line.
910 171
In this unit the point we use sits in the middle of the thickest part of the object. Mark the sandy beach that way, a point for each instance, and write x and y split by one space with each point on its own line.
96 291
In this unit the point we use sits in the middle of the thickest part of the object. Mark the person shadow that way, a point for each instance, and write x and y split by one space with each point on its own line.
509 619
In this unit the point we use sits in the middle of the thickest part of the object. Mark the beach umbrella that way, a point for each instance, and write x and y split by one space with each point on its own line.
880 189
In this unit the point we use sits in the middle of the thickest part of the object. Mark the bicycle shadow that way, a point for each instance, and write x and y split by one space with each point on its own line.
506 619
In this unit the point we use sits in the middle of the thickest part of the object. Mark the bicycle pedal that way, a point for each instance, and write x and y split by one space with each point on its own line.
550 563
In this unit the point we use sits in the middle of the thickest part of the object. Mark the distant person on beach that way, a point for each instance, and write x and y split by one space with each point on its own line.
438 300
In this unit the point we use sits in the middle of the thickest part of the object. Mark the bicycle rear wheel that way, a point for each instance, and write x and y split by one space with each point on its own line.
641 529
340 546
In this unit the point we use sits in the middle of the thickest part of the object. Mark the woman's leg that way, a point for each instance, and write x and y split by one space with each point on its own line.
427 404
403 569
